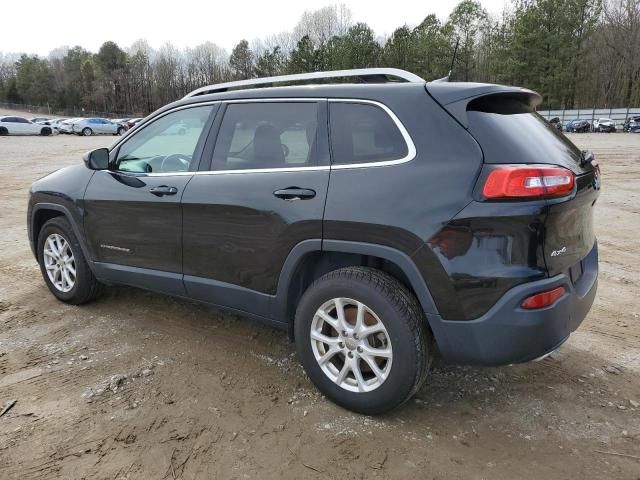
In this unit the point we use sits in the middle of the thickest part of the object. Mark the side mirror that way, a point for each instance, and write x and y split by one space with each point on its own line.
97 159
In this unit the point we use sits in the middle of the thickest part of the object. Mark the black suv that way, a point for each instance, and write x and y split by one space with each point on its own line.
382 220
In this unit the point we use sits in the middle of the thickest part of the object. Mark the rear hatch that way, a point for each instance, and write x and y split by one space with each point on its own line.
504 122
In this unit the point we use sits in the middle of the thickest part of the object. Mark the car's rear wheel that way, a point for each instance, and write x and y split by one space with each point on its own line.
62 263
121 131
363 340
4 131
87 132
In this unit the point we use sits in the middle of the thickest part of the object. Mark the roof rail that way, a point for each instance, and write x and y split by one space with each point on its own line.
372 75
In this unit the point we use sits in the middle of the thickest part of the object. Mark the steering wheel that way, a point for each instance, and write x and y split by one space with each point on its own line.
176 162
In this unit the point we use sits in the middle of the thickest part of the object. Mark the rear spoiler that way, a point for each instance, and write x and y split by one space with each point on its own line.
457 97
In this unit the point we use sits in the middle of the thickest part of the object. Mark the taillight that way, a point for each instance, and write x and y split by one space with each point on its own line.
543 299
528 181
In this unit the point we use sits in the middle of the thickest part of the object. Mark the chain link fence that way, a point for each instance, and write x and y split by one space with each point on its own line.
618 115
49 111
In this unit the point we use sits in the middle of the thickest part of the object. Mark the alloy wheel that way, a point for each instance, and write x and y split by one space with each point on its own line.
59 262
351 345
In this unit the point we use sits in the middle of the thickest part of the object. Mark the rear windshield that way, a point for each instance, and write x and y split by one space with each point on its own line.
510 131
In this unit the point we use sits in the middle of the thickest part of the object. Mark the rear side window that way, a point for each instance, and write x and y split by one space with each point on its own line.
363 133
267 135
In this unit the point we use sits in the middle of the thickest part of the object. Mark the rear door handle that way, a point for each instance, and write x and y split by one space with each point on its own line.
295 193
161 190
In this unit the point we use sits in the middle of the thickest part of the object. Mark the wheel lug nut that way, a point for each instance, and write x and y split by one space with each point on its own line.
341 344
344 333
350 354
355 336
359 349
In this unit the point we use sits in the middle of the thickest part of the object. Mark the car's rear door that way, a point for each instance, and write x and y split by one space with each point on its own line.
263 193
133 218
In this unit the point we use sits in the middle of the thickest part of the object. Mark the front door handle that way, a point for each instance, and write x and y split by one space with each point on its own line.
161 190
295 193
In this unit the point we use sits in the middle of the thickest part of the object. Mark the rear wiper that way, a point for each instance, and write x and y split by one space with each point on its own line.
586 158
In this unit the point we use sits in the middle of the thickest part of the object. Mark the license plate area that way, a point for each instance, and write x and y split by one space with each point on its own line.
576 271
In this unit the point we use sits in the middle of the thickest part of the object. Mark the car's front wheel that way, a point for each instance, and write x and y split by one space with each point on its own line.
62 263
87 132
363 340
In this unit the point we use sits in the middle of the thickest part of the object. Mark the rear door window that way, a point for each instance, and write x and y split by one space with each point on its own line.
267 135
364 133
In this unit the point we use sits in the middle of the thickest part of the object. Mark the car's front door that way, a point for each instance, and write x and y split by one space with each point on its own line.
262 195
133 219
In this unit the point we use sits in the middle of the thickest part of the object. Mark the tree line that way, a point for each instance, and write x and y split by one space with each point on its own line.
575 53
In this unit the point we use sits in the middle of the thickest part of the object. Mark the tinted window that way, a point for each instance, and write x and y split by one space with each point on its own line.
498 122
166 144
21 120
267 135
363 133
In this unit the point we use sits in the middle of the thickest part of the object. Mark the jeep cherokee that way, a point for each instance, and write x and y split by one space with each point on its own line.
380 219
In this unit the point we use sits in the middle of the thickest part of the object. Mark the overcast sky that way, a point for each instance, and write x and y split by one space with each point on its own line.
37 26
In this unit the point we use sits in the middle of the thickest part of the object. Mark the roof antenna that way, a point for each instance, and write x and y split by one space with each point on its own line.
453 61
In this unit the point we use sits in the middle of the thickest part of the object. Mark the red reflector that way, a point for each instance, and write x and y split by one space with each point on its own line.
543 299
527 181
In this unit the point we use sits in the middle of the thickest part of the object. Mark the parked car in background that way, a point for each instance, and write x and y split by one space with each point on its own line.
97 126
555 122
132 122
629 121
50 123
579 126
56 124
10 125
634 126
604 125
65 125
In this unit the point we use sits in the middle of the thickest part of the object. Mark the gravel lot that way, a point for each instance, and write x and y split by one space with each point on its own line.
212 395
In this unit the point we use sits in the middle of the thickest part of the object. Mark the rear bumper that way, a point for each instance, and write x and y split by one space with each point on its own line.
509 334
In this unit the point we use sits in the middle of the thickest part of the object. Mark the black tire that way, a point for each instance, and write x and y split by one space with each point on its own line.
87 132
45 132
4 131
121 131
410 338
86 287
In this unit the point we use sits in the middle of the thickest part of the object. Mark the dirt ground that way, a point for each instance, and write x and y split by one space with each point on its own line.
212 395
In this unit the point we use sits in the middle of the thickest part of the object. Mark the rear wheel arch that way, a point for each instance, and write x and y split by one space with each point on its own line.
310 260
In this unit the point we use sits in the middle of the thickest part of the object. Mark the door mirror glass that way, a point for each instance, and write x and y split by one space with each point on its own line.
97 159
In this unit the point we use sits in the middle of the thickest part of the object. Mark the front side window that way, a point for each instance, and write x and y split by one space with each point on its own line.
166 144
267 135
363 133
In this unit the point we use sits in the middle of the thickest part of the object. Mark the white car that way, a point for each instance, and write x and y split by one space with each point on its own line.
97 126
604 125
10 125
65 126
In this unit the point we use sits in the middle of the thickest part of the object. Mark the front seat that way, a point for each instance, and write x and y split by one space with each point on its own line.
267 147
